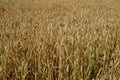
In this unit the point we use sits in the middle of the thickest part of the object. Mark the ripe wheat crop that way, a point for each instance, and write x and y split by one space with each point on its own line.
59 40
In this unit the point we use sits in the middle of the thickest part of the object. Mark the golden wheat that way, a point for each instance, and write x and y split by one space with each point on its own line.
60 40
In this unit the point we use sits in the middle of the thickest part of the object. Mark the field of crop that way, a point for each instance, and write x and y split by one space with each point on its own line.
59 39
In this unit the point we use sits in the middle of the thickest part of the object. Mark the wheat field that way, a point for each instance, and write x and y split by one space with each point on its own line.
59 39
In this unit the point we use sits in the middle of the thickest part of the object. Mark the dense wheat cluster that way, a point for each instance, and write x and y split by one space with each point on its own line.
59 39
